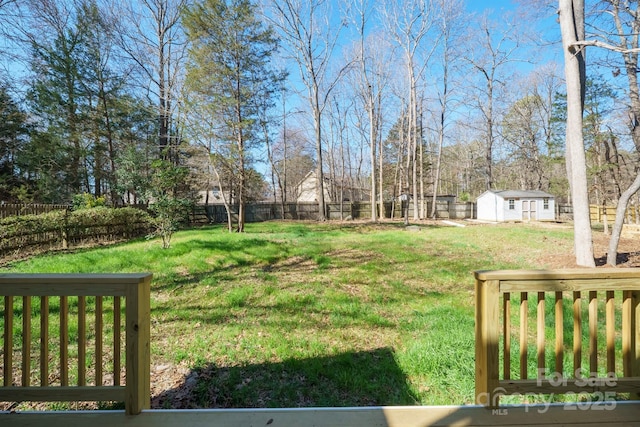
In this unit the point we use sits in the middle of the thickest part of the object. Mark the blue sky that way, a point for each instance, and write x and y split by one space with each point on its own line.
495 5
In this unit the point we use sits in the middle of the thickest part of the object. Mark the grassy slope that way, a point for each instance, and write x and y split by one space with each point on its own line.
292 314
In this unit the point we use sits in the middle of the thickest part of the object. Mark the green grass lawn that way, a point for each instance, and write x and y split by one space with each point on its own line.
304 314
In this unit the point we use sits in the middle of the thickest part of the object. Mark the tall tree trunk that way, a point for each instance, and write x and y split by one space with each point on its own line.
372 155
319 173
612 253
414 150
241 154
163 117
381 210
629 45
436 179
572 28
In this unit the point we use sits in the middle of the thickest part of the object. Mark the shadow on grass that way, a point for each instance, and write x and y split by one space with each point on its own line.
363 378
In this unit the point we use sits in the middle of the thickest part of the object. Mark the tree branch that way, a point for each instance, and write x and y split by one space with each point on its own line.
581 43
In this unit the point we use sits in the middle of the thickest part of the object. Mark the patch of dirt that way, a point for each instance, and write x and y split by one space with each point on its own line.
628 253
171 386
628 250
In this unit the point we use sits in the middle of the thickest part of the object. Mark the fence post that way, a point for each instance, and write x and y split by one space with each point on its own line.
65 230
487 331
138 363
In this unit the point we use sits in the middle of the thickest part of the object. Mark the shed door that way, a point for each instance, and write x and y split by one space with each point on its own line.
532 210
528 210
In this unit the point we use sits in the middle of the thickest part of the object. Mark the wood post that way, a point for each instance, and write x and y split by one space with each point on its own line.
138 360
487 331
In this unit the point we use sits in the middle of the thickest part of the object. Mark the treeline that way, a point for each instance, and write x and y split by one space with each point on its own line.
170 102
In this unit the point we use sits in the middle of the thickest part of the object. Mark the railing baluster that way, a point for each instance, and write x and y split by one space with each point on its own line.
559 323
8 341
98 355
593 333
577 334
630 346
77 292
611 333
82 340
64 341
26 341
627 349
635 341
524 329
116 341
540 333
586 288
635 326
44 341
506 309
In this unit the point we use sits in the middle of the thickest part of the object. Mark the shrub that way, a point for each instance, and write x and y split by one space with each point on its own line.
87 201
170 204
62 229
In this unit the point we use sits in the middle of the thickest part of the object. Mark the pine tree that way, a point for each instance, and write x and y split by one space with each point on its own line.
13 132
229 66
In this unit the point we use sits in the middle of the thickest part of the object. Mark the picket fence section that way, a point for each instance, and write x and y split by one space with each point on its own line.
8 210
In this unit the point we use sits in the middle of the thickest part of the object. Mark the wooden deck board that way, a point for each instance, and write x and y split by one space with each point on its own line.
624 414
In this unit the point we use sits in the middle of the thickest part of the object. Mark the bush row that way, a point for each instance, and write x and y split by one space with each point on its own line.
27 234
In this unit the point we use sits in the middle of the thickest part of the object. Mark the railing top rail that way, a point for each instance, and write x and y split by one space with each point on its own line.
43 284
594 274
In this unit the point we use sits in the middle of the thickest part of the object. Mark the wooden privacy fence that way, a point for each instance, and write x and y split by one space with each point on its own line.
574 352
18 209
257 212
599 213
39 326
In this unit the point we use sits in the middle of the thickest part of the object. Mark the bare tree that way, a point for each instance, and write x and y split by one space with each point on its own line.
572 26
310 37
373 55
408 23
207 155
522 130
9 21
448 22
278 176
489 54
153 39
622 38
369 97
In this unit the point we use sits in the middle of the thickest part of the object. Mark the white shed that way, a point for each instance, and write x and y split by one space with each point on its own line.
516 205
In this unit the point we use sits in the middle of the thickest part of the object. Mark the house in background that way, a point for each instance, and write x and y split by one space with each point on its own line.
516 205
214 195
306 190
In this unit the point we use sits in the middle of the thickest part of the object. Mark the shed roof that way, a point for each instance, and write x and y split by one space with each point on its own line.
522 193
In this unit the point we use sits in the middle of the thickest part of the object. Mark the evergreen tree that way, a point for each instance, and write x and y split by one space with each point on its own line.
55 101
13 133
229 66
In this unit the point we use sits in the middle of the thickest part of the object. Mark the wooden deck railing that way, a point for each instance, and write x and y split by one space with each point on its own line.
559 314
97 301
30 370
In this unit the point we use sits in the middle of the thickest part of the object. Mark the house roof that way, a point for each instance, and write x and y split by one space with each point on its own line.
521 193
